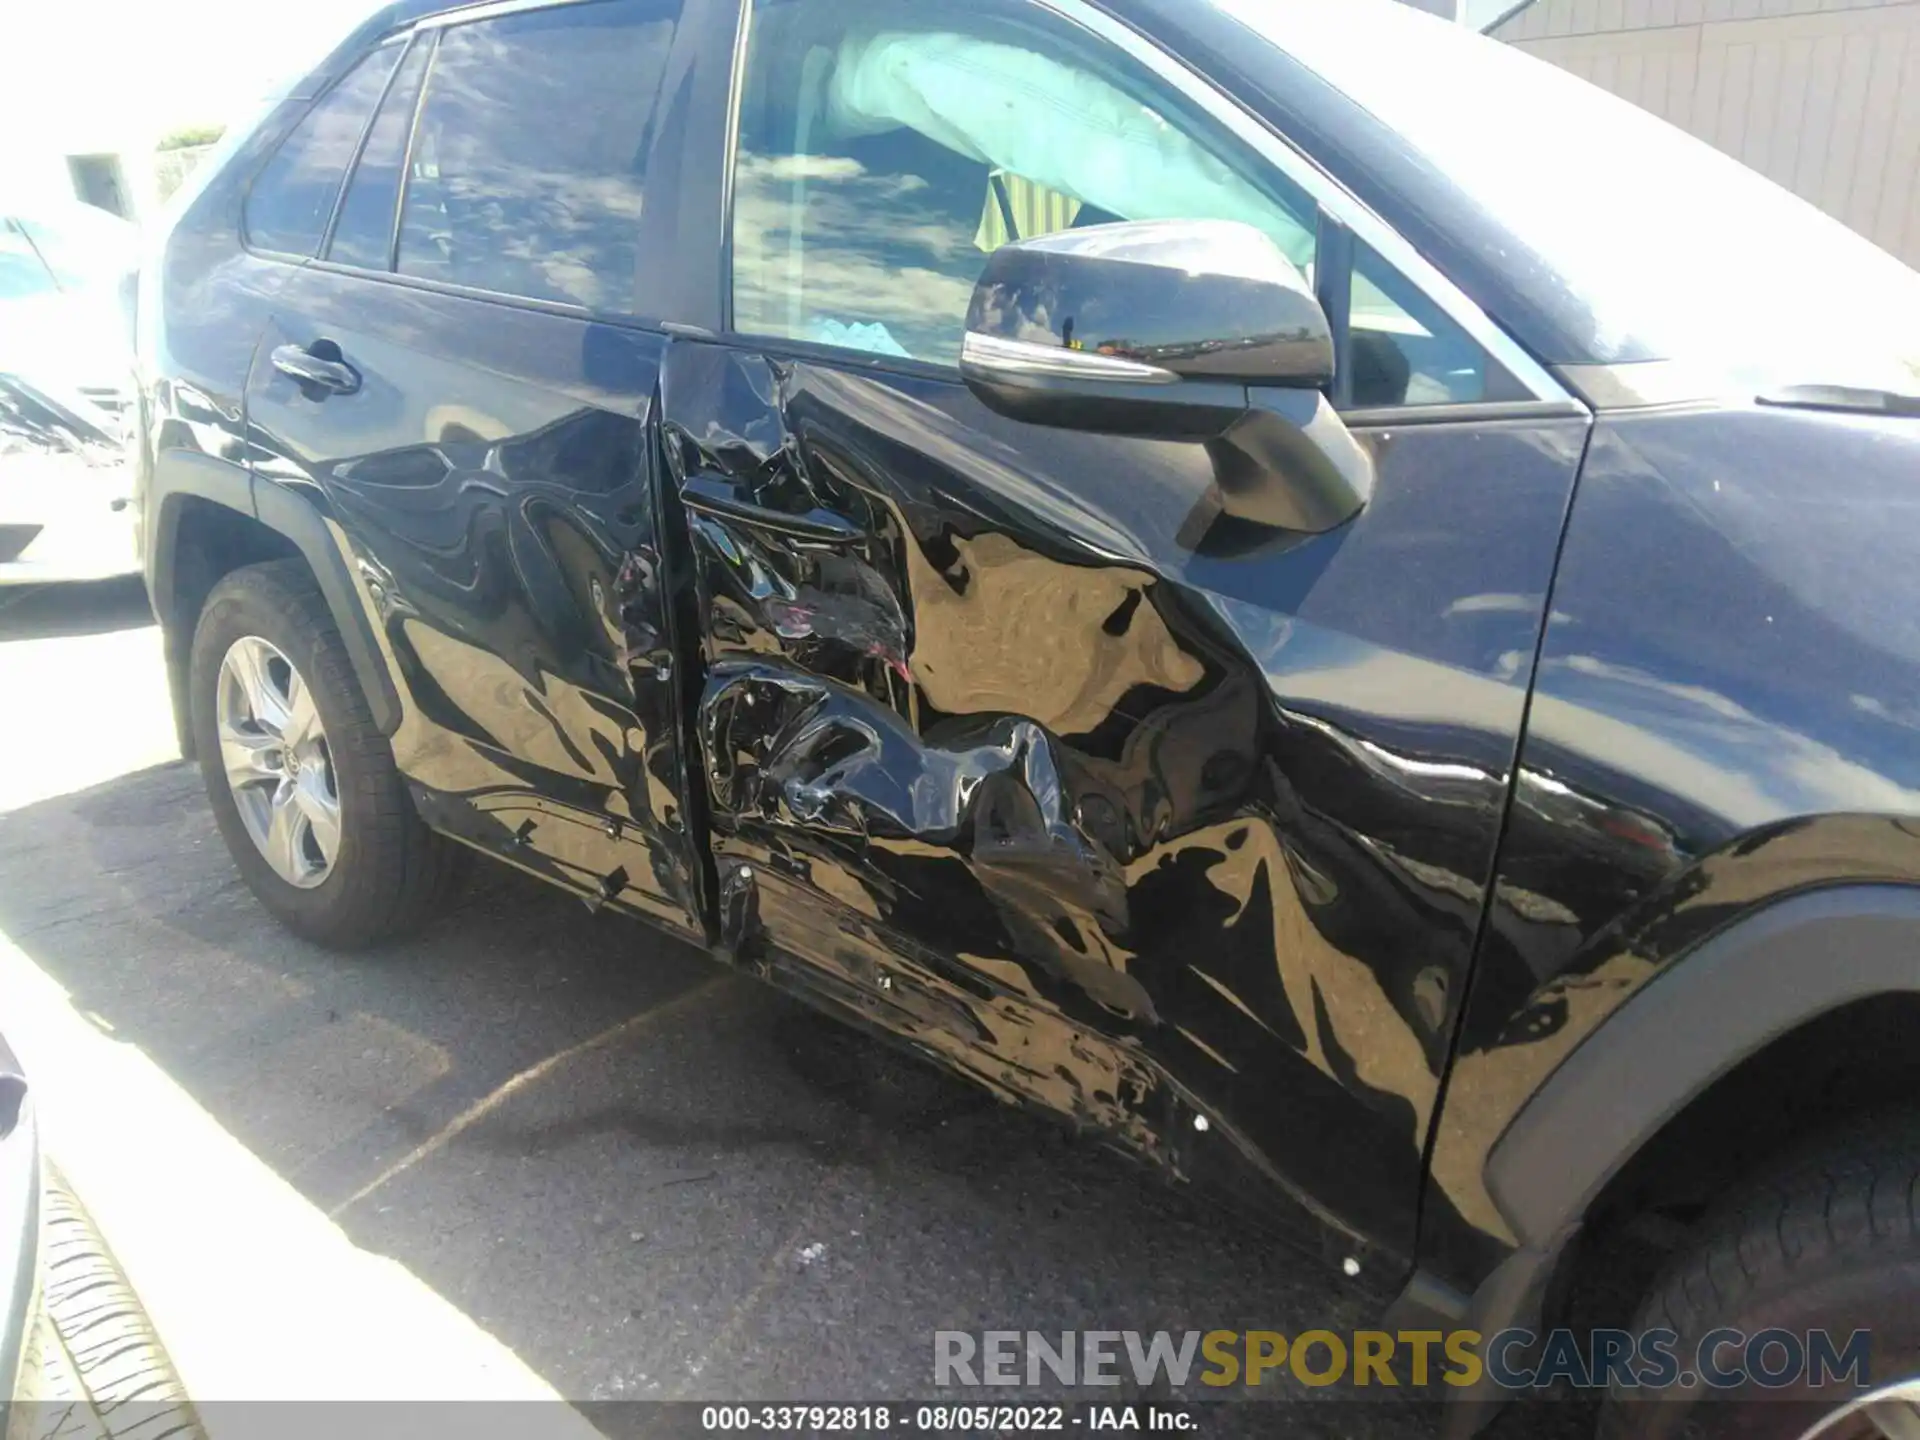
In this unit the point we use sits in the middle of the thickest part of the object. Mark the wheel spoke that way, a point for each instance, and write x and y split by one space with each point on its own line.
1891 1412
320 811
302 721
248 663
249 759
279 771
1896 1419
283 843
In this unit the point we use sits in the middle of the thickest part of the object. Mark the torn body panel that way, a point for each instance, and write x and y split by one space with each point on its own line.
1143 812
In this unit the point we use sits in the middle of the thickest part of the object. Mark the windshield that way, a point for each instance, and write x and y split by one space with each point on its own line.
1668 249
84 246
22 274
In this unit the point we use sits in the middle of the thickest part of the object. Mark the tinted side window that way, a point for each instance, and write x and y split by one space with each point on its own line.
530 153
288 208
1406 351
886 147
364 233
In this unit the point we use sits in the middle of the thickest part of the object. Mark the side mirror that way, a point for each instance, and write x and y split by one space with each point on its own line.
1189 330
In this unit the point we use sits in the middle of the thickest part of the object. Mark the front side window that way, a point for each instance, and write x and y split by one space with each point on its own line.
1405 350
886 147
292 198
528 167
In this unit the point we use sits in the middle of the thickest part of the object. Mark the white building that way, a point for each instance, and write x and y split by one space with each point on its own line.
1822 96
88 88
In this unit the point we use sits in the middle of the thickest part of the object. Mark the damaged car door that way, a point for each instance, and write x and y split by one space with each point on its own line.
1115 631
458 379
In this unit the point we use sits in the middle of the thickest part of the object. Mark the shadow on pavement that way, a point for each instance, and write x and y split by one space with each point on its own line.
48 612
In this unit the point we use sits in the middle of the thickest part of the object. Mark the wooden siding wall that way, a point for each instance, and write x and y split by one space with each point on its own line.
1822 96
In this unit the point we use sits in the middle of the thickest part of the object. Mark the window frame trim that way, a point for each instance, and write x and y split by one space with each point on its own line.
492 10
412 39
1547 395
400 42
423 37
563 309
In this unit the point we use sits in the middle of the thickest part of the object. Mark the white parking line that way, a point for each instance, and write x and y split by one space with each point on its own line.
480 1109
256 1294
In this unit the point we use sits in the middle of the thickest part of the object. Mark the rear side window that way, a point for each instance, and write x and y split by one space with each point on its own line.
529 160
363 235
292 198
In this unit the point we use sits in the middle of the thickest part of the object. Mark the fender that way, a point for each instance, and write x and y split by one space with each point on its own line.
1739 990
182 474
1729 998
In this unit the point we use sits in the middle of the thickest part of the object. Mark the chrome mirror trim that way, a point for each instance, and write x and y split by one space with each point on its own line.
992 355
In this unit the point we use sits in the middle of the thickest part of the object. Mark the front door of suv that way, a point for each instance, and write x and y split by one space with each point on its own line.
1017 747
459 383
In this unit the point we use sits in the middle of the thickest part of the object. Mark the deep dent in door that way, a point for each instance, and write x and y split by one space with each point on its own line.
1028 802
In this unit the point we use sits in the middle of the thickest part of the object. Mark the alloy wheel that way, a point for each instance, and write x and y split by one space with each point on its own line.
1889 1413
274 752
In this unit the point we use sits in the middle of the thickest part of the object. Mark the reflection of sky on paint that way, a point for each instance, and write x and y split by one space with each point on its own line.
1654 246
107 74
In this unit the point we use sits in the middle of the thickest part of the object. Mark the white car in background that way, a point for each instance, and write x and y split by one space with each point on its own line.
65 387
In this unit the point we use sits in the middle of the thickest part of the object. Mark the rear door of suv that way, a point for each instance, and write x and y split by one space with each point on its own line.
461 379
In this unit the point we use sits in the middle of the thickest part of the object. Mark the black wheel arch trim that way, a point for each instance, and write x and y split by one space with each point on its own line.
1732 995
179 475
1742 988
278 509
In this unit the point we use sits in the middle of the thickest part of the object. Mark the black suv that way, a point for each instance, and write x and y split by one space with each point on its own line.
1277 579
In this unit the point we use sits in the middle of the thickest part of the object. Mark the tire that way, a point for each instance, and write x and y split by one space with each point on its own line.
388 873
1828 1241
93 1368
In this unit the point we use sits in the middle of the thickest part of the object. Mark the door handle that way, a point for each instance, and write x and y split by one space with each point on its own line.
318 365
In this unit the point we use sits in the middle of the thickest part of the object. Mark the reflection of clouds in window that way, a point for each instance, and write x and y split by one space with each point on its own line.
872 253
888 227
528 170
290 203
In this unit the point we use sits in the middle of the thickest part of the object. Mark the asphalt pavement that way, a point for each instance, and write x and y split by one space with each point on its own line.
644 1176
